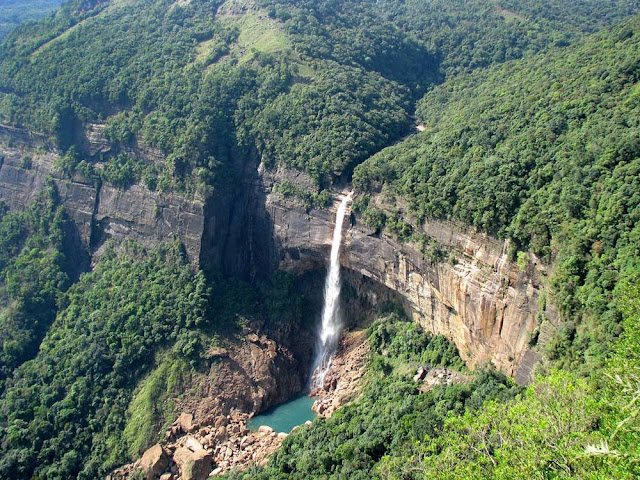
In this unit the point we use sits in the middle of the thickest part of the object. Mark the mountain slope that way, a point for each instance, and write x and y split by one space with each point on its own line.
543 152
188 77
528 138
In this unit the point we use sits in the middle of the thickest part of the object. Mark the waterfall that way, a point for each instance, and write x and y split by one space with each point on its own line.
331 319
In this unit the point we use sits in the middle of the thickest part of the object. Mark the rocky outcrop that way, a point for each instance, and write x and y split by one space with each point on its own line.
210 436
343 380
148 217
101 211
429 378
476 298
250 376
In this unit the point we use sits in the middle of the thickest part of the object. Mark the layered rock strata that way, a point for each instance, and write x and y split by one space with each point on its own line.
476 298
101 211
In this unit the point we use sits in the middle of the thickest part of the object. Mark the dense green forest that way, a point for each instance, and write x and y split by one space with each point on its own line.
561 426
64 412
319 86
533 152
15 12
32 276
531 112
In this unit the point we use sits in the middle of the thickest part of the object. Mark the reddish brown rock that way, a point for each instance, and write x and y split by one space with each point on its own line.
154 461
185 422
194 462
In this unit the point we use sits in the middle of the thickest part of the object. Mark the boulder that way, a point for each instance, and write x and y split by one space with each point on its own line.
194 461
154 461
420 374
265 429
185 422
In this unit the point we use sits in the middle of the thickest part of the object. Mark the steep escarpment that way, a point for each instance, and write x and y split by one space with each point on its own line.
476 298
99 210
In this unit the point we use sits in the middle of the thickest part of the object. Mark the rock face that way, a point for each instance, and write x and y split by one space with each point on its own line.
251 377
102 211
343 380
477 299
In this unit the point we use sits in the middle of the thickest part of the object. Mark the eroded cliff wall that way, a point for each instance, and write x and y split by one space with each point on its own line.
475 297
100 211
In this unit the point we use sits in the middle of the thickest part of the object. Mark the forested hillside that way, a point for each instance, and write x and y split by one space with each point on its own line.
543 152
318 86
15 12
531 136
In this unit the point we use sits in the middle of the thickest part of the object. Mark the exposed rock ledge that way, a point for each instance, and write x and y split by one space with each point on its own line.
480 301
103 211
343 380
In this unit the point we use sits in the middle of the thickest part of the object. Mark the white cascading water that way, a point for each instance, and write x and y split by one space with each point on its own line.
331 319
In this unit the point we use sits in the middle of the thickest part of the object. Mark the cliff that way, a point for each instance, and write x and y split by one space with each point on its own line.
476 297
100 211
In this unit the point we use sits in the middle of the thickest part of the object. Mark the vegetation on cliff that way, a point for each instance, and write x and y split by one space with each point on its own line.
91 375
561 426
390 415
318 86
62 415
32 277
531 134
544 152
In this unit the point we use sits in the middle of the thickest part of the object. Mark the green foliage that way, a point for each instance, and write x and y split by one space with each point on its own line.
32 276
547 159
390 415
284 304
405 340
374 218
153 404
561 427
73 397
68 162
121 171
318 86
320 199
540 434
543 151
305 131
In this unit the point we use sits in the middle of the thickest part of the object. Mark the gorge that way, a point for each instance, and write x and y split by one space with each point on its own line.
204 202
482 303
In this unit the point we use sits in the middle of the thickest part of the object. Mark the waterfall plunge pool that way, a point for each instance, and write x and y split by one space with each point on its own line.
286 415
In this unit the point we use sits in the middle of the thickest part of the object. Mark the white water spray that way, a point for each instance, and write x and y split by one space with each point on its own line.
331 319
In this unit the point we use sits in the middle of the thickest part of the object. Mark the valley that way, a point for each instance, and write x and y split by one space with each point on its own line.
171 180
